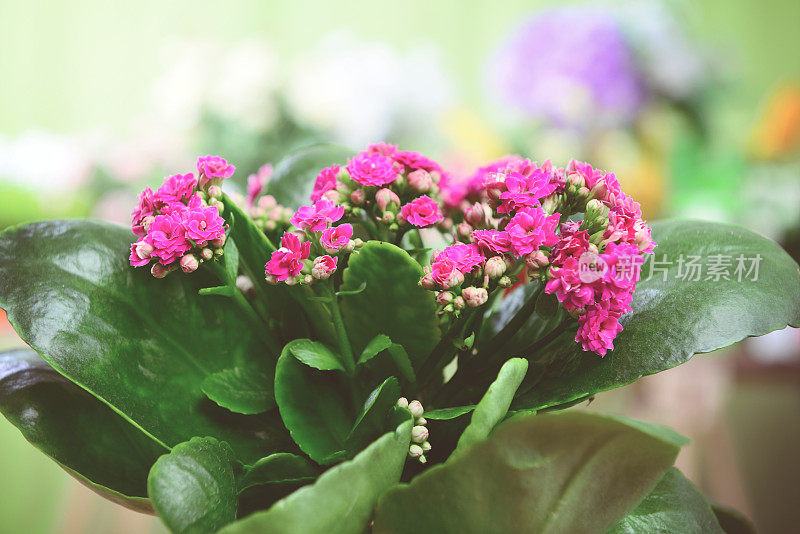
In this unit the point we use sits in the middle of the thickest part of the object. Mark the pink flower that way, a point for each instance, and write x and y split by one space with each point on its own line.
326 181
140 252
324 267
530 229
571 245
416 161
496 241
317 217
287 261
568 286
422 211
212 170
176 188
384 149
203 224
597 329
525 191
144 209
336 238
465 257
257 182
445 274
604 186
372 169
168 238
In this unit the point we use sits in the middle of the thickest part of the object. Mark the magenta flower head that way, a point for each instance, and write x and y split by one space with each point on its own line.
176 188
372 169
530 229
597 329
140 253
525 191
445 274
143 213
168 238
422 211
204 224
212 170
465 257
326 181
496 241
336 238
416 161
384 149
287 261
317 217
324 267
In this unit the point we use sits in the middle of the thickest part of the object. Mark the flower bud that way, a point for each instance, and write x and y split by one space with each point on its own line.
144 249
159 271
219 242
495 267
422 421
244 284
475 296
215 191
146 222
476 215
464 229
324 267
271 279
419 434
420 181
599 190
387 200
219 205
422 459
456 278
445 225
218 253
448 309
415 451
334 196
426 446
189 263
444 298
426 282
402 402
357 197
458 303
576 180
206 253
388 217
537 259
495 185
415 407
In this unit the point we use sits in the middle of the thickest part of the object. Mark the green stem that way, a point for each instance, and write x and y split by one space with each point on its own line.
546 340
341 333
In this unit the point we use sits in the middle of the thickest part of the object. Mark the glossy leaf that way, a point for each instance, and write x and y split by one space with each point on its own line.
83 435
674 505
341 501
293 180
378 344
313 406
278 467
245 390
398 354
571 472
371 422
493 406
193 487
316 355
674 319
142 345
444 414
392 303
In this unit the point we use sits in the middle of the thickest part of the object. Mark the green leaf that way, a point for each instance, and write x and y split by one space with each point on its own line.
392 303
142 345
293 180
674 505
444 414
220 291
566 472
674 319
402 361
193 487
245 390
316 355
731 521
231 260
341 501
377 344
495 403
278 467
83 435
371 422
312 405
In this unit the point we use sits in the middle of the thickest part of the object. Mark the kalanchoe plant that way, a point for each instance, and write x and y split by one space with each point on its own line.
383 357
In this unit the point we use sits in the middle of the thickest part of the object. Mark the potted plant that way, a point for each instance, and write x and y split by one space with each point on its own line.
396 355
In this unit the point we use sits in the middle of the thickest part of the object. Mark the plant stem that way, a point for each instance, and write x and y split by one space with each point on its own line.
541 343
341 333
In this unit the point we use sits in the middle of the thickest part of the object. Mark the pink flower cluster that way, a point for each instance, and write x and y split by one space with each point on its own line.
293 258
175 225
516 215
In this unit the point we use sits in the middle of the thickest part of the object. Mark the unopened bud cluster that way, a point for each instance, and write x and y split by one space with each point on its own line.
419 432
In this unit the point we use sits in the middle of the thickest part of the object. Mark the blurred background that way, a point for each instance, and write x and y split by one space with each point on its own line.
695 106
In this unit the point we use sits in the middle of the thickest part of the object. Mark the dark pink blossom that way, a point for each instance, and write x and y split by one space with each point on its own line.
203 224
496 241
598 327
287 261
212 170
525 191
324 267
144 210
384 149
168 237
445 274
141 252
530 229
422 211
372 169
317 217
336 238
416 161
326 181
176 188
465 257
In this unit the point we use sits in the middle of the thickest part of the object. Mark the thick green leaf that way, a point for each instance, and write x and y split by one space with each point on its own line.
674 319
732 521
392 303
143 346
674 505
371 422
293 180
341 501
493 406
571 472
381 343
193 487
313 405
245 390
377 344
316 355
443 414
277 467
83 435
